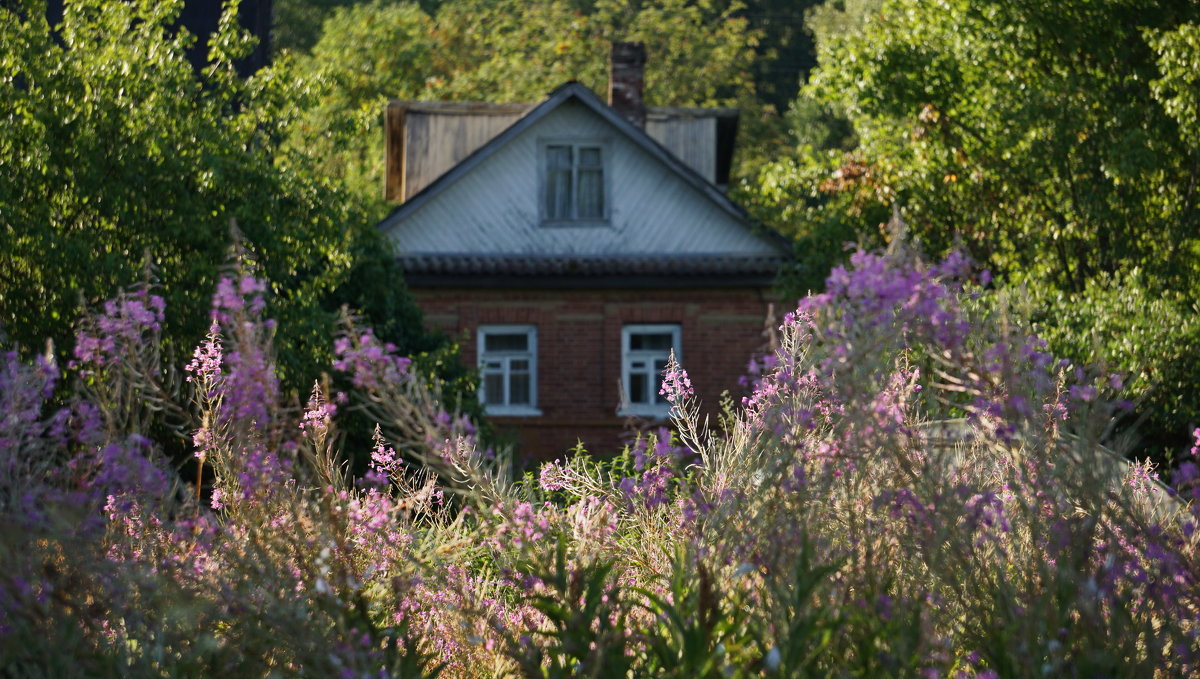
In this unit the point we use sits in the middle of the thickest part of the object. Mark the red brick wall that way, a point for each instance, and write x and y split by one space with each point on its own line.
579 350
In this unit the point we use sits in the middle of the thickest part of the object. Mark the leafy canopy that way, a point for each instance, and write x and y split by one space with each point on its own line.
115 152
1030 129
1057 141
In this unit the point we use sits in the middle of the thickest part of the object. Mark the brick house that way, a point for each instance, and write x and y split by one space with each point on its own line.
573 245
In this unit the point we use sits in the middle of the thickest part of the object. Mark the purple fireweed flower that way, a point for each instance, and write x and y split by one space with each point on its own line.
550 476
24 389
318 415
627 486
236 372
695 507
520 525
105 338
888 407
675 385
592 520
127 467
385 463
232 298
878 292
1141 478
207 357
1082 393
369 362
250 386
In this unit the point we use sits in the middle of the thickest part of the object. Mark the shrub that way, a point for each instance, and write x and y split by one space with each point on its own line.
1123 323
839 524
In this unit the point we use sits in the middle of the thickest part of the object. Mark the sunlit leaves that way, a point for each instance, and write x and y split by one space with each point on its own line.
1028 128
117 152
1178 89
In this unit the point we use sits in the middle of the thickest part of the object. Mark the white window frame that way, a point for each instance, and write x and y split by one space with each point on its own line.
544 182
655 409
506 357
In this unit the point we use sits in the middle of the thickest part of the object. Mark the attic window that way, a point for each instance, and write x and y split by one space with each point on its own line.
573 186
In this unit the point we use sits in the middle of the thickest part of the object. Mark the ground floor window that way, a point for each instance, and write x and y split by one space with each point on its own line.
508 365
644 352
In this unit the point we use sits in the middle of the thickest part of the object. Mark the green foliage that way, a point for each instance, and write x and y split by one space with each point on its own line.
1124 323
804 629
824 208
1179 87
367 53
786 50
298 22
830 21
118 159
1056 142
1029 129
586 633
701 627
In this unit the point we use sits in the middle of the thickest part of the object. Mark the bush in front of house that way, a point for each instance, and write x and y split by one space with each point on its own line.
913 488
1126 321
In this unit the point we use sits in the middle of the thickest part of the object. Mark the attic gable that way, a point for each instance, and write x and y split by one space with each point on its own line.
425 139
488 204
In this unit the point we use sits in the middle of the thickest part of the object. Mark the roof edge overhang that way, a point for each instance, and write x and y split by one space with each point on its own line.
696 271
559 281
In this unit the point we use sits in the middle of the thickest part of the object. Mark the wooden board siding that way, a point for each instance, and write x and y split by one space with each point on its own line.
427 139
494 208
692 140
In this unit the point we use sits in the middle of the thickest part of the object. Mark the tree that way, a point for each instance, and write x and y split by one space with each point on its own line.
367 54
1055 140
114 150
1030 129
298 23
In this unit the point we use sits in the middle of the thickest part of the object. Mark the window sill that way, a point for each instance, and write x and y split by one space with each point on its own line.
651 412
512 411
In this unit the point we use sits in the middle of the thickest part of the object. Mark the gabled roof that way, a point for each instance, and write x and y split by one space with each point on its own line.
571 91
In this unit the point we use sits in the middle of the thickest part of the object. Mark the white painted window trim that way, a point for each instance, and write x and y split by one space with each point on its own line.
606 168
628 356
530 331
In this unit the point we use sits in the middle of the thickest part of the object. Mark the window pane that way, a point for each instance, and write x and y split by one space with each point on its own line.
589 156
493 389
516 341
650 341
519 384
558 194
637 388
659 368
520 365
558 157
591 194
558 182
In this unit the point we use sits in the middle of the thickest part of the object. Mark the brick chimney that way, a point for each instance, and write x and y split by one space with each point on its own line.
626 80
